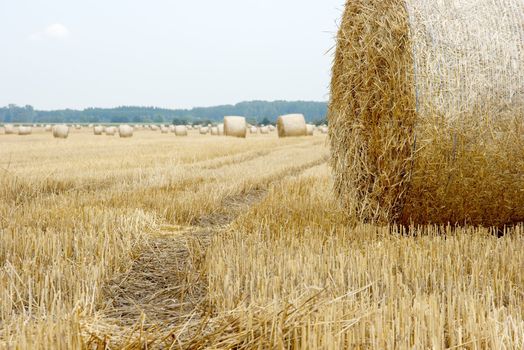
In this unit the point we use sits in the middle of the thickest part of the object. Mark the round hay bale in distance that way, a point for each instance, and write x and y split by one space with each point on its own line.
264 130
125 131
110 131
214 131
25 130
9 129
204 130
310 128
60 131
180 130
291 125
419 91
235 126
98 130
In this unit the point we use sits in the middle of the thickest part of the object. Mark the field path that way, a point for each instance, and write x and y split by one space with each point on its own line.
165 286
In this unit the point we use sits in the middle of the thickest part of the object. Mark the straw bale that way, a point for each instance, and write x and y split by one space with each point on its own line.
291 125
98 130
9 129
214 130
125 131
264 130
48 128
164 130
24 130
110 131
310 129
221 129
180 130
253 130
60 131
235 126
426 113
204 130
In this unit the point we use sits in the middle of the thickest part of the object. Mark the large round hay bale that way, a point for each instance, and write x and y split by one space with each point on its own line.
310 129
180 130
125 131
24 130
427 111
214 130
9 129
264 130
235 126
98 130
110 131
291 125
204 130
60 131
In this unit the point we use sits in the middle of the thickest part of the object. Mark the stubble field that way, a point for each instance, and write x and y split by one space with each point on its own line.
160 241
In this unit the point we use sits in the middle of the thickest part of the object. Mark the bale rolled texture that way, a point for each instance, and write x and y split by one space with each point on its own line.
110 131
235 126
9 129
291 125
60 131
98 130
125 131
24 130
426 113
180 130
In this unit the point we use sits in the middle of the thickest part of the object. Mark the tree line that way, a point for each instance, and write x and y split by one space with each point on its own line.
262 112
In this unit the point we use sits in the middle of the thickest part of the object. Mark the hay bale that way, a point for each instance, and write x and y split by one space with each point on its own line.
271 128
48 128
60 131
164 130
125 131
172 128
110 131
214 131
204 130
235 126
154 127
324 129
291 125
25 130
310 129
98 130
220 129
180 130
264 130
9 129
420 90
253 130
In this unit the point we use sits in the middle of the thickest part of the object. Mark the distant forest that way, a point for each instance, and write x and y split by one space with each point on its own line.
262 112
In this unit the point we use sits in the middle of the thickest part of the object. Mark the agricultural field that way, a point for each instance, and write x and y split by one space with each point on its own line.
212 242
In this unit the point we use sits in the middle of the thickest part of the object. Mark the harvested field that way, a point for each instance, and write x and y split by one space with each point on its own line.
202 242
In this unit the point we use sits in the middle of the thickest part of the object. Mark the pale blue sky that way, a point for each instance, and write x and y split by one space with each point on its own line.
165 53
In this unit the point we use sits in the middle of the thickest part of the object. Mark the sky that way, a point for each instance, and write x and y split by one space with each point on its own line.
166 53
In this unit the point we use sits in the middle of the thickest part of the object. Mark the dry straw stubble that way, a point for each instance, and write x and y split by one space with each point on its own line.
426 112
